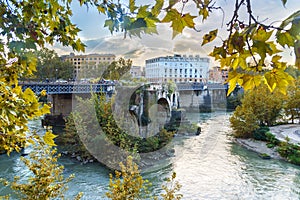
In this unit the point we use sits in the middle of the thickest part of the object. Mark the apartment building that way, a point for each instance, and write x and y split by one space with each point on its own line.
177 68
86 65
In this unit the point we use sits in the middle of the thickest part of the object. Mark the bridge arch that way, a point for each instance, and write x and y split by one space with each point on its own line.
165 105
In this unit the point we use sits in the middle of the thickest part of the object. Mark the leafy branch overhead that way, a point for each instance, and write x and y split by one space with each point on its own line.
251 50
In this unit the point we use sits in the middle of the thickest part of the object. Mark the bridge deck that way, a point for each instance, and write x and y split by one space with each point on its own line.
68 88
85 88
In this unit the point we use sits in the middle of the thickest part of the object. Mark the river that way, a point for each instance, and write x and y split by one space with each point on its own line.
208 166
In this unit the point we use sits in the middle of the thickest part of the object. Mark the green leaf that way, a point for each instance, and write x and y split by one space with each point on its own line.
179 22
295 29
132 6
288 20
209 36
285 38
110 24
262 35
172 3
171 14
157 7
142 12
297 53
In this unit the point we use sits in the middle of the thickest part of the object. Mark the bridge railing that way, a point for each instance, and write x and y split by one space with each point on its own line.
190 86
200 86
68 88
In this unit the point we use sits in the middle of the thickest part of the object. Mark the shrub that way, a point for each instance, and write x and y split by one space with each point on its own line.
260 133
271 139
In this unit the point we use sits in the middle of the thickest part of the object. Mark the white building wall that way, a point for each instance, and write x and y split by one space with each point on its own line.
177 68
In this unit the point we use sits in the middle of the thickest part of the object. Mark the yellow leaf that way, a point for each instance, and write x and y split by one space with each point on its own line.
49 138
45 109
233 79
235 63
209 36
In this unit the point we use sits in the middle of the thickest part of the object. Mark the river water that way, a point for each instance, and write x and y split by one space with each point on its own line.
208 166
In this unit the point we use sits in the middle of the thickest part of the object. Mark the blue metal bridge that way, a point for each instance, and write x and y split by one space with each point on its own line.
85 88
68 88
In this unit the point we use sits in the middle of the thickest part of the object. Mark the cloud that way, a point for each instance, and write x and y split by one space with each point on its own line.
189 42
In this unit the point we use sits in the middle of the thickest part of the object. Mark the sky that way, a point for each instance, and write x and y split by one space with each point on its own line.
99 40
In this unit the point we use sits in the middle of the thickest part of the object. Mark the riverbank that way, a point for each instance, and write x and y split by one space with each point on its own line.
281 132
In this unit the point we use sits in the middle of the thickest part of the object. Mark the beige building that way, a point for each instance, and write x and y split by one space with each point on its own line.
85 66
218 75
136 71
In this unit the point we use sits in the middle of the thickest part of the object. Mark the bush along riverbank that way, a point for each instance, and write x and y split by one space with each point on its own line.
268 146
261 109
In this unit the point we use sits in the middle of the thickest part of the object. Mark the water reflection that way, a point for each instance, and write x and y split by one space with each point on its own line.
208 166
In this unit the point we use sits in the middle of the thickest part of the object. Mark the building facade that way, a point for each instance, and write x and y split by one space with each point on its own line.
87 65
136 71
218 75
177 68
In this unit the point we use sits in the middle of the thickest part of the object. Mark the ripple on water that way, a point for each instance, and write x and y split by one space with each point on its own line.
208 166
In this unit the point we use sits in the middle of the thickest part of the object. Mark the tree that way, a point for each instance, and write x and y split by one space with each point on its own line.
292 105
259 107
131 186
50 66
171 188
47 180
117 69
26 26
